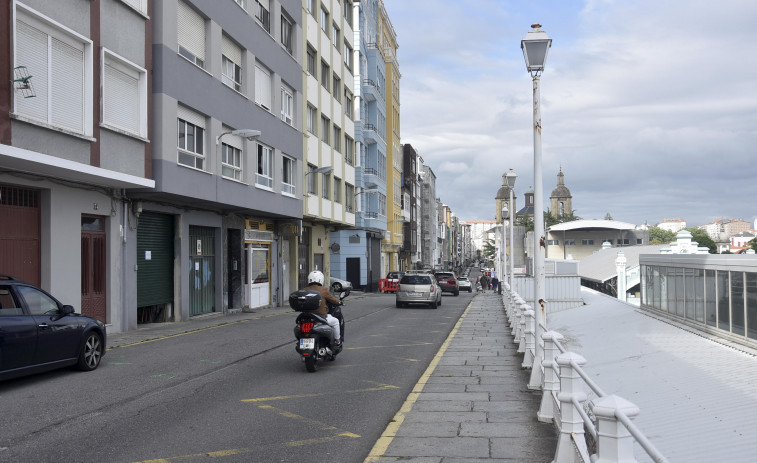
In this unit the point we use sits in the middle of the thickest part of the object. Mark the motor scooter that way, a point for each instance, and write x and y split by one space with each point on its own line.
315 338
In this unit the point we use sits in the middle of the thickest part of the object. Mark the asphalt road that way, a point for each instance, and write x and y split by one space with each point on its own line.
235 393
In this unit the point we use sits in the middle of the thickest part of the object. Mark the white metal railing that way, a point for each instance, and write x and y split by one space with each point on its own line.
564 400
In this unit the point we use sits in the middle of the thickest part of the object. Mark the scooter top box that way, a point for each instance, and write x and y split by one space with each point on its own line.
305 300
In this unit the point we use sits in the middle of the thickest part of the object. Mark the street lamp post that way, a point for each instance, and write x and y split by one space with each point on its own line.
535 46
503 251
510 179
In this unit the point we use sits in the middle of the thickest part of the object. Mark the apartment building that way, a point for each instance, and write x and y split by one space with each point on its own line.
75 141
387 47
410 253
359 259
219 231
429 218
329 138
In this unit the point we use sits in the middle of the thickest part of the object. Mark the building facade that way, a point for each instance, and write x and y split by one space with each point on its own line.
329 135
429 219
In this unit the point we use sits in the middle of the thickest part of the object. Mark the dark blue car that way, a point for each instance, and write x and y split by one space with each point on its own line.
38 333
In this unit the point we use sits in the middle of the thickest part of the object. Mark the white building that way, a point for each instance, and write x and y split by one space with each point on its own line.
673 225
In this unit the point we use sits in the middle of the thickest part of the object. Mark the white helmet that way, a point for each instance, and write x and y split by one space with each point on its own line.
316 276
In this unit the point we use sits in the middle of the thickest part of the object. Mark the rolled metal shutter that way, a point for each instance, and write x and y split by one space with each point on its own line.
155 256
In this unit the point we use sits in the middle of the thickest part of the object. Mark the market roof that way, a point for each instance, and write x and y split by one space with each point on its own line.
592 224
600 266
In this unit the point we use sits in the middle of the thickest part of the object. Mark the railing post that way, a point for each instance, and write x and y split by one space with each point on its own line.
614 442
521 336
528 335
571 445
546 411
515 316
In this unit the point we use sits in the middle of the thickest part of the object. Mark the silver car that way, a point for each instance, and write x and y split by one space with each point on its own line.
418 288
338 285
465 284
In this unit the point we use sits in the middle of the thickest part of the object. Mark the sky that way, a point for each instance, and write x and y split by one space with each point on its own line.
648 106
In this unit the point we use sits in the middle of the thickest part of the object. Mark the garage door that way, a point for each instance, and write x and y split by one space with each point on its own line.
20 233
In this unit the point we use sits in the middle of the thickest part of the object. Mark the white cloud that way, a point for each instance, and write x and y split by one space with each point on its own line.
650 106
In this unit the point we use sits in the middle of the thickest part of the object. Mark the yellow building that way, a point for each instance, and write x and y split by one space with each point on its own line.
392 243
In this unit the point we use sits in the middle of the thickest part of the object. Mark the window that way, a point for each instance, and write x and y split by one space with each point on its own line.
287 176
325 129
38 302
286 34
325 20
325 75
311 179
382 204
587 242
311 7
311 120
349 196
337 88
191 138
263 87
139 5
124 95
347 55
311 62
335 36
570 242
347 11
553 242
622 242
231 156
347 103
337 190
382 166
231 64
639 241
60 62
287 105
262 14
264 175
349 150
326 186
191 34
337 139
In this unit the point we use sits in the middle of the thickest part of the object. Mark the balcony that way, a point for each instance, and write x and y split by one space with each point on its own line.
370 134
371 90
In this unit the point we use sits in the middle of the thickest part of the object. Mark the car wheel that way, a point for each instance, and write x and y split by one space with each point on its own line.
470 290
91 352
440 301
398 304
457 292
336 287
434 304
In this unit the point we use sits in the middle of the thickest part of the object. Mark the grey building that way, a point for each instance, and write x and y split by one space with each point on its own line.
429 218
219 230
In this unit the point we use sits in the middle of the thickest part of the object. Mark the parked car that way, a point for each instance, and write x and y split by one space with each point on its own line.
418 288
465 284
448 282
395 276
338 285
38 333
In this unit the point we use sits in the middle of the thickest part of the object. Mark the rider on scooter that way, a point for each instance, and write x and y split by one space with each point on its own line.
315 283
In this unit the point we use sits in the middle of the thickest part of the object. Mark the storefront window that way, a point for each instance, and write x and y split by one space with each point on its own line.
724 302
710 296
737 302
751 304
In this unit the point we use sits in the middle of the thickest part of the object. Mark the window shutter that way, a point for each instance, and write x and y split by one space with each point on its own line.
263 87
232 140
121 97
191 29
231 51
31 51
67 70
191 116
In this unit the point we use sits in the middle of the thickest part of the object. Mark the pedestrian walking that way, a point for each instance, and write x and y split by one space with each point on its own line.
495 284
484 282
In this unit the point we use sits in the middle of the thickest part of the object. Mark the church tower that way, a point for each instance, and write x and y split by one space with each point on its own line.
502 198
561 201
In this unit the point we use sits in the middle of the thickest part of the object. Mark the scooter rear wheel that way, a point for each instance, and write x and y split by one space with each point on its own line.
311 363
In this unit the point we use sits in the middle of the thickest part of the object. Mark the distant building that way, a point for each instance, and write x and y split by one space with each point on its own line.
673 225
723 229
581 238
561 201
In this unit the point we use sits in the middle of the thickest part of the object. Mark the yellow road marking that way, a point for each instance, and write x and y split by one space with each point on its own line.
382 387
379 448
312 422
217 454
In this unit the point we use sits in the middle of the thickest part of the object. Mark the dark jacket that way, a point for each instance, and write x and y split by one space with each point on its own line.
325 296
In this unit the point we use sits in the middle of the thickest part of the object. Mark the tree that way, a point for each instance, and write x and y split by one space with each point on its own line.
490 251
659 235
701 237
753 244
549 221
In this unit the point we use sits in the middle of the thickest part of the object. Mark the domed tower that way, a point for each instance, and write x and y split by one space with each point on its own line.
561 201
502 198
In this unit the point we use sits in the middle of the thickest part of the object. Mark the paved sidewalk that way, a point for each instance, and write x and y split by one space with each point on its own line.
472 404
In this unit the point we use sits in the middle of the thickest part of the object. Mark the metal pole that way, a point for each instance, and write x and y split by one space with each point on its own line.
512 243
539 244
503 266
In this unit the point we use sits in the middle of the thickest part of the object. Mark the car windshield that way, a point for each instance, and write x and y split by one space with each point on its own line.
445 275
463 278
415 280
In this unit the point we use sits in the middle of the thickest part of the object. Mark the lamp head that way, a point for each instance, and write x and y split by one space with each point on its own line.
249 134
535 47
510 179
